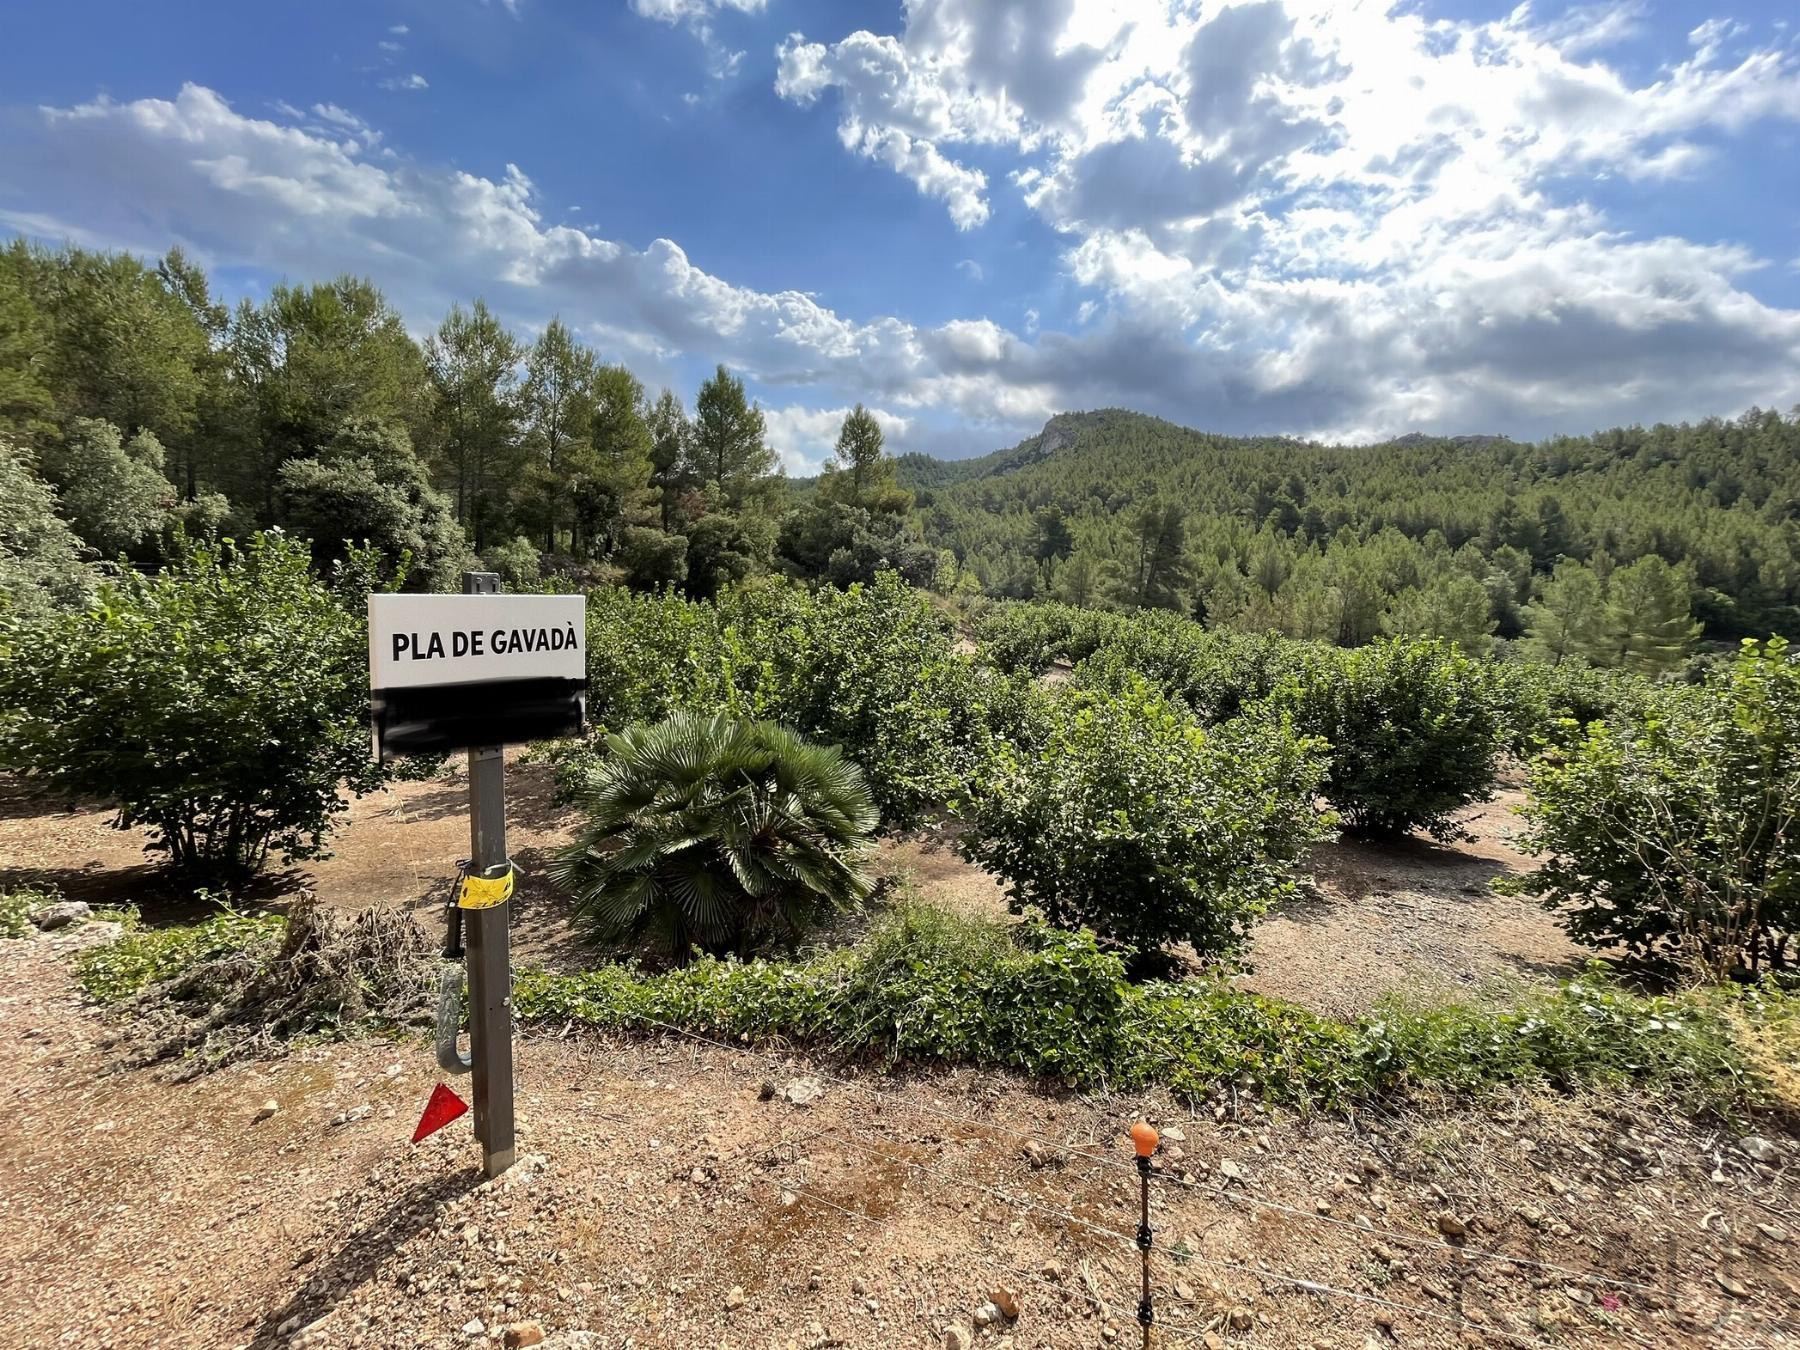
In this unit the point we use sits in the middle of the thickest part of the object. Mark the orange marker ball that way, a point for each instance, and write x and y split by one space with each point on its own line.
1144 1138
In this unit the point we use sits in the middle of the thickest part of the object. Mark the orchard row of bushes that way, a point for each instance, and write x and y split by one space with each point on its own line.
1163 793
1166 794
1220 672
1668 815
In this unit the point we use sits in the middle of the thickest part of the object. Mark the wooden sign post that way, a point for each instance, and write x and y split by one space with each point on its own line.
477 672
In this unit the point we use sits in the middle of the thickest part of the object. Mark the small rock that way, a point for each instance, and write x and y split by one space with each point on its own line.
48 918
1034 1153
268 1109
803 1092
1240 1319
523 1333
958 1337
1451 1226
986 1315
1006 1299
474 1327
1228 1168
859 1286
1736 1288
1755 1147
1174 1134
1773 1232
734 1298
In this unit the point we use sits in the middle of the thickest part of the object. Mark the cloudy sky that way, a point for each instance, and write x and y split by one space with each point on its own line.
1341 220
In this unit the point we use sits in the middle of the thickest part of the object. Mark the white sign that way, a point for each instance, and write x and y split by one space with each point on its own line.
421 640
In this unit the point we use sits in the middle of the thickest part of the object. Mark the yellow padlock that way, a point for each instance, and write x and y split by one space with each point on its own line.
485 892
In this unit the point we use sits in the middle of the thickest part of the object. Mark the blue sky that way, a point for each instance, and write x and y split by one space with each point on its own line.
1275 216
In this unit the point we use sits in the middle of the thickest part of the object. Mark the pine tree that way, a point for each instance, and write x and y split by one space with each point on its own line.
671 452
728 439
472 440
859 455
1568 620
1649 606
558 409
1051 539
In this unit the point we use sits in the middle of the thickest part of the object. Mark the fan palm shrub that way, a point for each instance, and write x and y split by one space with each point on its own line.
717 833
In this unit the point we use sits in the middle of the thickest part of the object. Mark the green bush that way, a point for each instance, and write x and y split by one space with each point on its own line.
716 833
931 987
1539 704
17 904
1411 726
221 703
141 957
1676 832
927 985
1133 819
870 668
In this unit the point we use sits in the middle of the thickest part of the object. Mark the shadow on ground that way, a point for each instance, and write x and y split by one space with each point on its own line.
328 1275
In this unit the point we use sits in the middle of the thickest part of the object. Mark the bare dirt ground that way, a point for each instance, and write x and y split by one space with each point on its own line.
1411 916
660 1202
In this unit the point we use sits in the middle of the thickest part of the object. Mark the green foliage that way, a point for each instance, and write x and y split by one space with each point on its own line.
367 488
1648 611
844 544
518 563
931 987
717 833
870 669
928 985
1568 621
17 903
719 552
1133 819
222 703
41 566
121 345
729 452
1675 831
1585 1031
113 494
26 402
141 957
472 435
1541 705
1343 543
1411 726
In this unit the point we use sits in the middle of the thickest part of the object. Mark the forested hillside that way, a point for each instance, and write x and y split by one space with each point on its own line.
135 410
1594 546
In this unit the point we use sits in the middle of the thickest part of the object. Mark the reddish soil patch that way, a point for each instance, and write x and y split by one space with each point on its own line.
659 1203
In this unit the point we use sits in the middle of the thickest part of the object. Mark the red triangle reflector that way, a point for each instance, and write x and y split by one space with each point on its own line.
444 1107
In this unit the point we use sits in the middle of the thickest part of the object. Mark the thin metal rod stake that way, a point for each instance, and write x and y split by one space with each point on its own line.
1146 1313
